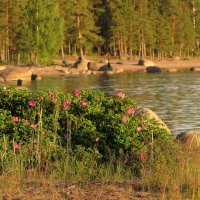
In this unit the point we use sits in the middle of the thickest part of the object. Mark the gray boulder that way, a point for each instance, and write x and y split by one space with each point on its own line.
16 73
149 115
146 63
190 139
153 69
67 63
106 67
81 64
92 66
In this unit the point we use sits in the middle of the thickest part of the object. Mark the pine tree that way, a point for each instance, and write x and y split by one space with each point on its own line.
80 14
45 28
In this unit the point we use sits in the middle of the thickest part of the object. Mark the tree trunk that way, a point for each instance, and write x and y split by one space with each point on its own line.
69 48
18 58
80 35
62 52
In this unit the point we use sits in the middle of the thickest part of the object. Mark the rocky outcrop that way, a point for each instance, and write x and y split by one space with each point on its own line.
190 139
153 69
146 63
67 63
149 116
17 73
92 66
81 64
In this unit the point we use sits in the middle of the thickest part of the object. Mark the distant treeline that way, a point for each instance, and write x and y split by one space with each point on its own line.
40 29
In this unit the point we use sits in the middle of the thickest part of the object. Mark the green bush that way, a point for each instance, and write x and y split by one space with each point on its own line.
87 118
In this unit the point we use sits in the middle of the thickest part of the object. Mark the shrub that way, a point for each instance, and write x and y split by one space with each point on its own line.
85 118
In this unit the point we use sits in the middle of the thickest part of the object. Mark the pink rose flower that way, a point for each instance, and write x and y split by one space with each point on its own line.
55 100
124 119
15 145
51 94
15 119
138 128
120 95
64 105
84 104
32 103
34 126
130 111
143 155
68 102
76 93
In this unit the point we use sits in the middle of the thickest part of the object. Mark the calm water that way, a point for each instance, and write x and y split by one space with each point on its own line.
174 97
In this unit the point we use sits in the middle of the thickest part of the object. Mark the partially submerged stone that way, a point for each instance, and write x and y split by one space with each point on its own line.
153 69
106 67
16 73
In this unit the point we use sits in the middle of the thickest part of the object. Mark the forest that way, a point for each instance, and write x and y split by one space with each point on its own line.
38 30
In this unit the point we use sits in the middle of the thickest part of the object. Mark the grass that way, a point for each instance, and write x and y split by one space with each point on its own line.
82 177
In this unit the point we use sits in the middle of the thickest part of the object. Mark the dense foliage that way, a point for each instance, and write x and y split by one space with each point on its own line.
62 123
125 28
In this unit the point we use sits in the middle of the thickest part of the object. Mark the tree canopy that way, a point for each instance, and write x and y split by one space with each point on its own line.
39 29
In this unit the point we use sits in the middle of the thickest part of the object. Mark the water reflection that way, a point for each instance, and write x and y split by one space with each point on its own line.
175 97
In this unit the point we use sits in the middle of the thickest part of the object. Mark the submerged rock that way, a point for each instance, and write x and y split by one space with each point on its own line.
106 67
153 69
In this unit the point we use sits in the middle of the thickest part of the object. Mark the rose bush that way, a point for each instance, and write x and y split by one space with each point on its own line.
87 118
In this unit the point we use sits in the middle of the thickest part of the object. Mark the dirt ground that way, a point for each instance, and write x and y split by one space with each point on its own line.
36 190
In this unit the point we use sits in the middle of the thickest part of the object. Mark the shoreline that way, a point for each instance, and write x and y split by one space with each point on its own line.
11 73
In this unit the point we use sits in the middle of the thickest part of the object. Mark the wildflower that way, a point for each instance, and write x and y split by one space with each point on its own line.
32 103
68 102
76 93
4 87
124 119
55 100
43 133
15 119
130 111
51 94
34 126
143 155
64 105
120 95
15 145
97 139
84 104
138 128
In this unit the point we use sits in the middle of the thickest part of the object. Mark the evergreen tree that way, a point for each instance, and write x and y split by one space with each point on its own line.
45 28
80 15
